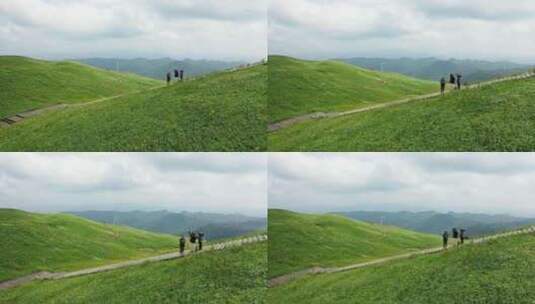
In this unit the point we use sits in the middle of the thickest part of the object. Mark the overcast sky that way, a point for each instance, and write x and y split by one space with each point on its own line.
199 29
481 183
478 29
209 182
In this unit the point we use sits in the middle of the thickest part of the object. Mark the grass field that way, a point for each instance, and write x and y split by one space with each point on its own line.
27 83
236 275
222 112
501 271
34 242
299 87
299 241
499 117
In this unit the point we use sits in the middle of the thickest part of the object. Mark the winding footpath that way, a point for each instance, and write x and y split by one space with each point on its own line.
284 279
164 257
14 119
320 115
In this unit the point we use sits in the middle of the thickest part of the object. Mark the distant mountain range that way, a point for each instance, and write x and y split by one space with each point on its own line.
433 222
158 68
215 226
434 69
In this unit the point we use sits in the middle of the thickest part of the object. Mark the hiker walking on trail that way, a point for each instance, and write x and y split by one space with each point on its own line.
176 73
452 79
445 237
462 236
193 239
455 235
442 85
201 236
182 244
459 76
168 77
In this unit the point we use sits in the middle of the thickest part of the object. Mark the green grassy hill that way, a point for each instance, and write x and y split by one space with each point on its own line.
220 112
27 83
501 271
298 87
34 242
498 117
299 241
236 275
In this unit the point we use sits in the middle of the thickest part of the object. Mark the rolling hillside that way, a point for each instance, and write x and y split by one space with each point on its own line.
221 112
214 225
34 242
299 241
236 275
30 83
158 68
298 87
434 68
500 271
436 223
498 117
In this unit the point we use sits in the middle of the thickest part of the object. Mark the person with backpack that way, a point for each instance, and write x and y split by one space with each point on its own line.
176 73
452 79
445 237
182 245
459 76
442 86
192 238
200 236
455 235
462 236
168 77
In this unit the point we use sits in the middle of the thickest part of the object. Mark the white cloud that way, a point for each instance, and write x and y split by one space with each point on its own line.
394 28
209 29
487 183
219 182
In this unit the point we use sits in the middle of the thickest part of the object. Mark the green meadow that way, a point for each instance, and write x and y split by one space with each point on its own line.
298 241
498 117
234 276
33 242
28 83
297 87
224 111
500 271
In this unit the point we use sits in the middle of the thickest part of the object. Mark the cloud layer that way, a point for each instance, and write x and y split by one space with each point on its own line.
479 29
224 183
207 29
487 183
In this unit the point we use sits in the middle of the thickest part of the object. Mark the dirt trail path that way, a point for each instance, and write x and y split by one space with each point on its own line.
318 270
163 257
14 119
319 115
